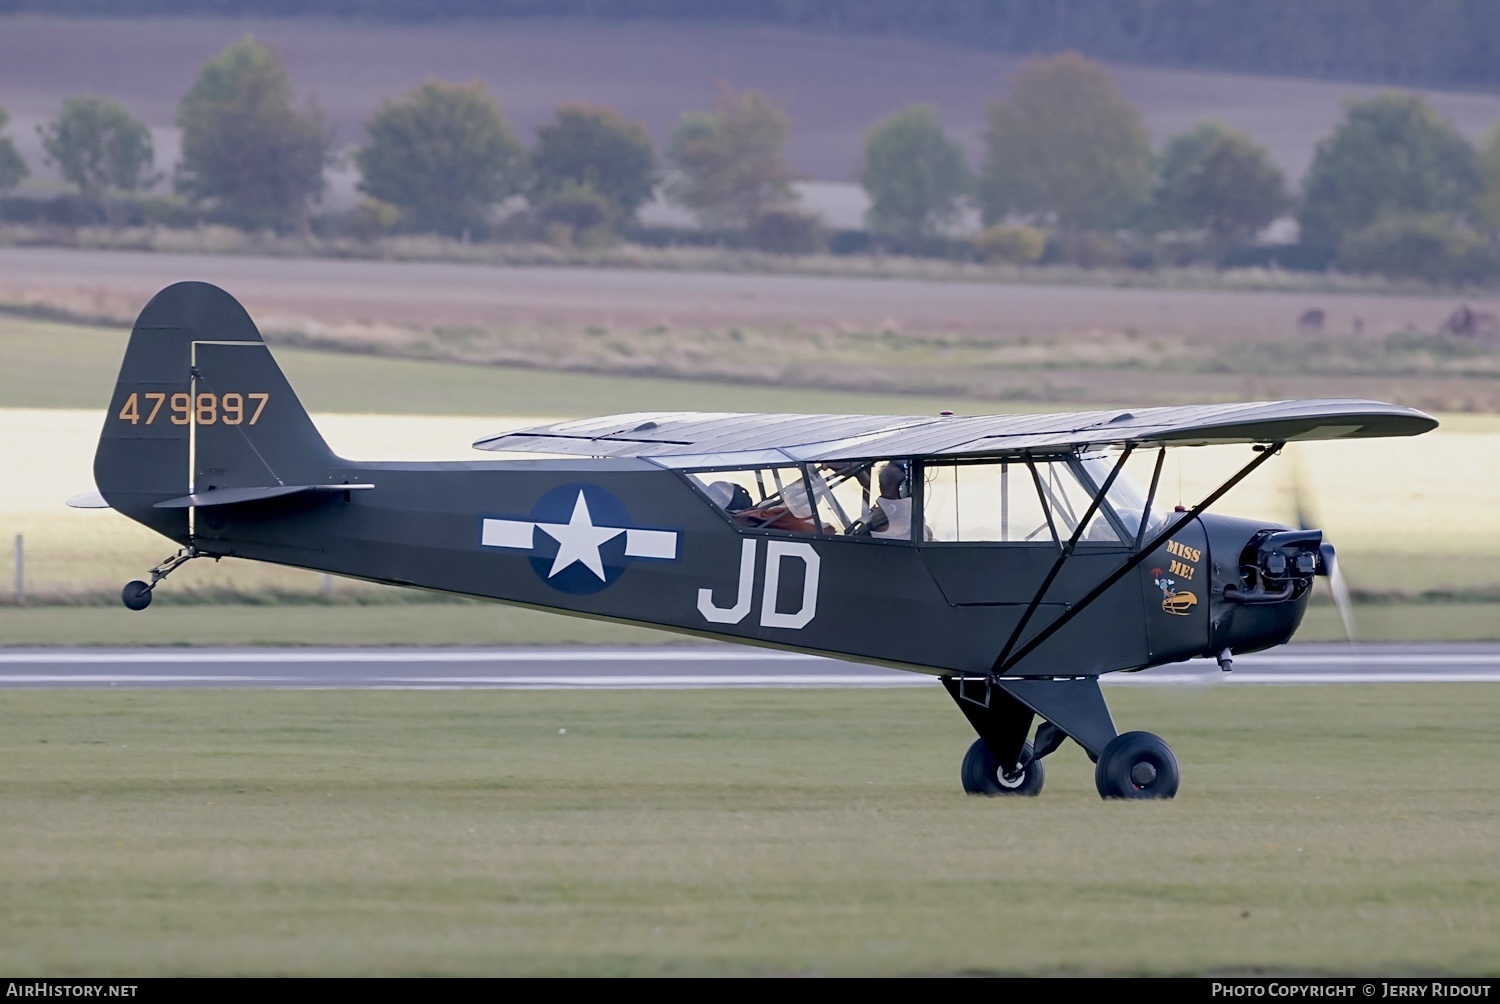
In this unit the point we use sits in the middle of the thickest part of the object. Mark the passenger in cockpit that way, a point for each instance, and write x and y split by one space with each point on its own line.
729 496
890 517
792 513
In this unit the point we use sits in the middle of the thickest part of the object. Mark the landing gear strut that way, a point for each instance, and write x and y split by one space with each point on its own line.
1003 762
137 594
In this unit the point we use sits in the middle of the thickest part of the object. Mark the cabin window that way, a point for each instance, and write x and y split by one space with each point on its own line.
999 501
765 498
1125 496
862 499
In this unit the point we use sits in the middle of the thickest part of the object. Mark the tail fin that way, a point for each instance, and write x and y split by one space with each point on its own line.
200 405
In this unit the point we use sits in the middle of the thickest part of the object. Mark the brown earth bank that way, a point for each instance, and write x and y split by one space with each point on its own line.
429 295
1019 343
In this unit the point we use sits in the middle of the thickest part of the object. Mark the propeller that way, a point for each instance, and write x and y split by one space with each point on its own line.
1340 588
1306 520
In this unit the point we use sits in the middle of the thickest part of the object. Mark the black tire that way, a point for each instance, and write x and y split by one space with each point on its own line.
982 774
136 595
1136 765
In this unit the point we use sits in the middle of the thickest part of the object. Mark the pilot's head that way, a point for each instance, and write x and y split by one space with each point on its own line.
892 481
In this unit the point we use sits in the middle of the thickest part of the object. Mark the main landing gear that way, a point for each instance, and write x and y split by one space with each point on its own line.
137 594
1136 765
985 774
1002 761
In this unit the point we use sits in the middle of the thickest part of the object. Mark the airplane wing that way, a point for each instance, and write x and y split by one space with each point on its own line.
695 439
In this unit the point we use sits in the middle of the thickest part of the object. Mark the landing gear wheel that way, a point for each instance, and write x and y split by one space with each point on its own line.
983 775
136 595
1136 765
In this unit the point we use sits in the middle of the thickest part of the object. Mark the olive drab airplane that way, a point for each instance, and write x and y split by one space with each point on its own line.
1007 556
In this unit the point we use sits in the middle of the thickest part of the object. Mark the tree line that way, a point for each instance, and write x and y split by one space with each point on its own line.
1067 173
1399 41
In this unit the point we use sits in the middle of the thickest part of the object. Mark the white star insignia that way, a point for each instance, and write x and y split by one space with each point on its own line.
579 539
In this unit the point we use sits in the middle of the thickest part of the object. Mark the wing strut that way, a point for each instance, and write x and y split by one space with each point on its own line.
1140 533
1041 492
1064 551
1003 664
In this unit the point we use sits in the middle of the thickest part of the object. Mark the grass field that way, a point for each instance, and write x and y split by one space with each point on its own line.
1345 831
58 365
388 623
1022 342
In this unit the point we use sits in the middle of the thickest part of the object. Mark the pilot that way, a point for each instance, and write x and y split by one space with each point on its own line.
890 517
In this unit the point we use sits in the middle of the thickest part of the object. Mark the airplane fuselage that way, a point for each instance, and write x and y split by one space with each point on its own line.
627 540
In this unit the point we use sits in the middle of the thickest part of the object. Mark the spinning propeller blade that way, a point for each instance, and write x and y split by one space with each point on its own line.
1340 589
1306 520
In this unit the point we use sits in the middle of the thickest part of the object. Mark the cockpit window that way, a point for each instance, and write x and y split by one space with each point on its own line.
1125 496
991 500
764 498
999 501
869 499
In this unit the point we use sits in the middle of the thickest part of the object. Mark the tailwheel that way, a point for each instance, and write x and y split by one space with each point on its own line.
136 595
1136 765
983 774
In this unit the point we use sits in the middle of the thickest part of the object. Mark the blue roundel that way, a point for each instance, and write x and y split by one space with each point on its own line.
578 545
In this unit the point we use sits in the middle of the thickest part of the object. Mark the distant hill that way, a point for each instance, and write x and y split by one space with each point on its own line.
1449 43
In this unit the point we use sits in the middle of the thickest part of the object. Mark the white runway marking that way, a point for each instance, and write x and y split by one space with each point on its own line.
684 681
1184 679
136 678
316 655
675 667
75 657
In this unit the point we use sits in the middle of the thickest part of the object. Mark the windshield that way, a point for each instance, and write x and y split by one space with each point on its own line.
1125 498
1004 501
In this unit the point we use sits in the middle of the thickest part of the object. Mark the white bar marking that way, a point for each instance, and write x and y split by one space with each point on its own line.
651 544
508 533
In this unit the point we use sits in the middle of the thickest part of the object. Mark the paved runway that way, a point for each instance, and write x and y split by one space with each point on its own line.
669 667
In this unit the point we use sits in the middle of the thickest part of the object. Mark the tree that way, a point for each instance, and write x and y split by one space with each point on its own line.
12 165
593 148
244 144
574 214
1065 145
99 148
1014 245
1218 180
444 154
1487 202
786 231
730 163
916 177
1420 245
1390 154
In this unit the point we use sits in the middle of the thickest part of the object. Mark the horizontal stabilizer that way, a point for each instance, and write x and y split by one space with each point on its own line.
234 496
88 500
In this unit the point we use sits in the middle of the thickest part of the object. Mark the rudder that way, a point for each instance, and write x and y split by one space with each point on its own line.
200 404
